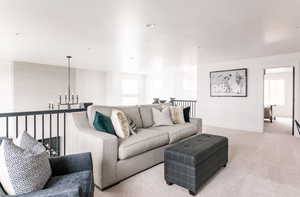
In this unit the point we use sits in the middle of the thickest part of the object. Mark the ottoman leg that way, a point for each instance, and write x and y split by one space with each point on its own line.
169 183
225 165
192 193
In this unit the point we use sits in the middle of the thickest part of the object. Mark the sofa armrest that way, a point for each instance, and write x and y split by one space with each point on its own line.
103 147
198 123
73 191
71 163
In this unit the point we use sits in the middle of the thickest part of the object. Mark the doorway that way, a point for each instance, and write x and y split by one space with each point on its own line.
279 93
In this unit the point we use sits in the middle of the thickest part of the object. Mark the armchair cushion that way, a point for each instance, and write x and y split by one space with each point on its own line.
82 179
71 163
73 191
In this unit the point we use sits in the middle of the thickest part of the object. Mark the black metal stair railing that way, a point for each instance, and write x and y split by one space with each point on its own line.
40 119
298 126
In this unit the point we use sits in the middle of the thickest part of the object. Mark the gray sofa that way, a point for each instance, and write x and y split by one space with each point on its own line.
115 159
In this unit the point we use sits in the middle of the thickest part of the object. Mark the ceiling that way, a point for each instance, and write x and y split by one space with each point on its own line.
110 34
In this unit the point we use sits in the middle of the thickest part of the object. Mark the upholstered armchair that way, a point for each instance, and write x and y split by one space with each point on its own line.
268 113
72 176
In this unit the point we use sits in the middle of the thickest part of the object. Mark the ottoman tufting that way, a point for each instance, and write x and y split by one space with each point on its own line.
192 162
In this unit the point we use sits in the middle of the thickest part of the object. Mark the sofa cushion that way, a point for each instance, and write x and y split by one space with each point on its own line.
162 117
103 123
131 111
144 140
178 132
120 123
91 112
81 179
177 114
146 114
186 114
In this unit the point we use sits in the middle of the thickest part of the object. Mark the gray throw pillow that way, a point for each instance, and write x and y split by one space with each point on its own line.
132 126
22 171
26 142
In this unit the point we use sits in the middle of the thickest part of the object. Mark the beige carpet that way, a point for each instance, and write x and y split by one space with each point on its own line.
279 126
260 165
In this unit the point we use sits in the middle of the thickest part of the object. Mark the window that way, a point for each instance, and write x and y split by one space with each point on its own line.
131 92
274 92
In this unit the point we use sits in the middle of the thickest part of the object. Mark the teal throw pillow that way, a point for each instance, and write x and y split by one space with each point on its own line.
103 123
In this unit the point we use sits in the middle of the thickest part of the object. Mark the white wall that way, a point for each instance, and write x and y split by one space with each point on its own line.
241 113
35 85
6 86
6 90
286 109
91 86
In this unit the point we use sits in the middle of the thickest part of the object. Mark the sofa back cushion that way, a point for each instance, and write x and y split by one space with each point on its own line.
91 112
131 111
146 113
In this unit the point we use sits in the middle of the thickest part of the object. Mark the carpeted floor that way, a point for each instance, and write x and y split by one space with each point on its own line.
260 165
279 126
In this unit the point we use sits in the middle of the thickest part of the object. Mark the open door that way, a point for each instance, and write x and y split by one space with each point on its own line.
279 100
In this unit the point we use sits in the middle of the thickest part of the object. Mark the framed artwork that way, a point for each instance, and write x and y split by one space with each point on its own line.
229 83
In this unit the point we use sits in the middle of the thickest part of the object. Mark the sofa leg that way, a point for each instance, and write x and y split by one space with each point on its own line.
192 193
169 183
225 165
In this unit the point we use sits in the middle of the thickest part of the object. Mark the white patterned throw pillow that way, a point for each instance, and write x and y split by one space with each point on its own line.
22 171
161 118
177 114
120 123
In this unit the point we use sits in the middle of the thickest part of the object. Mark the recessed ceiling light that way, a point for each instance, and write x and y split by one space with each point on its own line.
150 25
131 58
89 49
18 34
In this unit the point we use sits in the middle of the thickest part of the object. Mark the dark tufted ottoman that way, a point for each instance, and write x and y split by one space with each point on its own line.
190 163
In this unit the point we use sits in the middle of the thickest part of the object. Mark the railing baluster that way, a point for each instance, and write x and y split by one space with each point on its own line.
195 111
57 135
7 125
26 126
50 131
64 133
17 126
43 128
34 126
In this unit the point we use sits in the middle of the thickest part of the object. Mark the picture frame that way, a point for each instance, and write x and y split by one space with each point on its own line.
229 83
